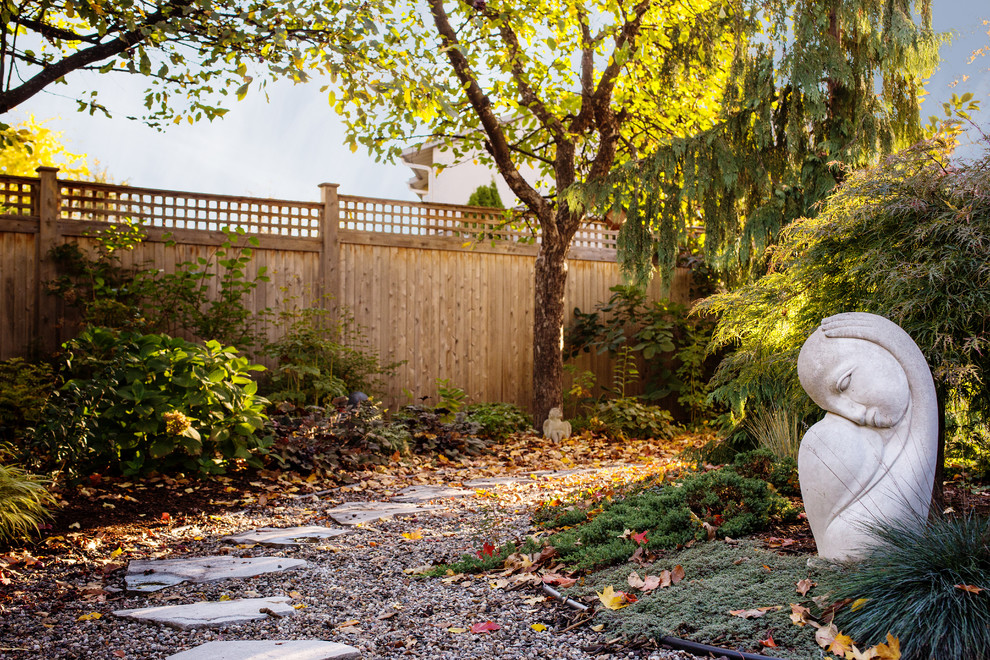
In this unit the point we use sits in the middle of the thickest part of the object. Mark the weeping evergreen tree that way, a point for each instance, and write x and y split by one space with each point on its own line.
815 90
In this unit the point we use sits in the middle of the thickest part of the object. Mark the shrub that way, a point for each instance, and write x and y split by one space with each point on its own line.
24 391
321 357
781 473
24 502
776 428
914 581
134 403
317 440
629 418
498 420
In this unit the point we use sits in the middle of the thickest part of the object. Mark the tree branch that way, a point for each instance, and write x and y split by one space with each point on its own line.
483 108
11 98
53 32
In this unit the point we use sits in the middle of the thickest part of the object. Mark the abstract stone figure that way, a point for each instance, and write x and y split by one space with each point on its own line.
873 455
556 428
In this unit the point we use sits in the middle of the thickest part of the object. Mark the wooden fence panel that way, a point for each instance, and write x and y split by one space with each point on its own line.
449 290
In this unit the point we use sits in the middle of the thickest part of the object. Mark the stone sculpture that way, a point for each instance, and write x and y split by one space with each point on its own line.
872 457
555 428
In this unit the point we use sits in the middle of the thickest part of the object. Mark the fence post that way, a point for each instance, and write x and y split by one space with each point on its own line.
330 256
46 319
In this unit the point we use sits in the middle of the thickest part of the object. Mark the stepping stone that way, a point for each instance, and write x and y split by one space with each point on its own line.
151 575
211 614
309 649
286 537
496 481
415 494
355 513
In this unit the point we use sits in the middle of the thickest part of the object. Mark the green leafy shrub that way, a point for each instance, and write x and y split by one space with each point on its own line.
24 502
24 391
321 441
321 356
669 342
914 581
779 472
630 418
498 420
134 403
486 195
204 297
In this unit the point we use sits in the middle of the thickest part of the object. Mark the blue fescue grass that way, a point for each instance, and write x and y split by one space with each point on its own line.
910 579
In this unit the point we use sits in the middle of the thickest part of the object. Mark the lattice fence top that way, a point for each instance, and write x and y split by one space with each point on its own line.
16 195
182 210
445 220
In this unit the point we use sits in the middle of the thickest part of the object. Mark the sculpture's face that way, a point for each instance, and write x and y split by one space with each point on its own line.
555 413
855 379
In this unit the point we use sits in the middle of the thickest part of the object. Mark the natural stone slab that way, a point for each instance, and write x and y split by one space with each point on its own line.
286 537
415 494
355 513
496 481
152 575
211 614
309 649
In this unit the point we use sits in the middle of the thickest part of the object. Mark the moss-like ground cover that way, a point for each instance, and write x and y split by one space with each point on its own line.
719 577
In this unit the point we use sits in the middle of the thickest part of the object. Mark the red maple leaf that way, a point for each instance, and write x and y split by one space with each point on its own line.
487 550
640 538
487 626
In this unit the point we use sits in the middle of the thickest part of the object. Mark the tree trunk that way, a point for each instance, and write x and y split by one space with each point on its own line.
548 328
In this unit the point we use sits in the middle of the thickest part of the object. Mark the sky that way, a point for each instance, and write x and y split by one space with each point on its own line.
285 147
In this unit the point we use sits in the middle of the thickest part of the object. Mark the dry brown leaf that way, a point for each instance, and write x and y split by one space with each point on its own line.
754 613
677 574
805 585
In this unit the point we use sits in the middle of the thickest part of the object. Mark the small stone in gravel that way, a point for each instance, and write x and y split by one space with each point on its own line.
216 614
309 649
286 537
355 513
151 575
429 493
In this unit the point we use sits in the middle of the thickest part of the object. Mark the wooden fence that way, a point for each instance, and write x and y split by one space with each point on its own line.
447 289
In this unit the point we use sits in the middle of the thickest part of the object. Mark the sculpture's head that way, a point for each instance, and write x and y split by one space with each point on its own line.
855 379
555 414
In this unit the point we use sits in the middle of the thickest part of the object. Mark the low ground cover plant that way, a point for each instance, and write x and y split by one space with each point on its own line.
132 403
24 502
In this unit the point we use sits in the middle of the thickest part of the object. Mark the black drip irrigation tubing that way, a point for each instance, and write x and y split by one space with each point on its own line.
676 643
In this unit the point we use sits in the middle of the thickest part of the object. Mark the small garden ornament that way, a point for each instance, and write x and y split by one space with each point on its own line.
872 457
555 428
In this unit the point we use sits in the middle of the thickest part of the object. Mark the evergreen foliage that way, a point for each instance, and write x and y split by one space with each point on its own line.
486 195
798 113
908 240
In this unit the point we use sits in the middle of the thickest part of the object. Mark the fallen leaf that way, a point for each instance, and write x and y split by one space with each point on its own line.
349 623
648 583
615 600
559 580
413 536
487 626
805 585
457 631
120 654
224 597
841 645
538 627
300 606
768 642
826 634
799 614
971 589
640 538
418 570
166 517
295 594
90 617
487 550
754 613
889 651
858 603
600 627
677 574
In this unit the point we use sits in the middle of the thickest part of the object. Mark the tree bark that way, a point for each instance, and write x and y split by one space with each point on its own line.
548 326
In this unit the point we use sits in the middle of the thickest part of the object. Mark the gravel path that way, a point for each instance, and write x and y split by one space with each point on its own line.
355 591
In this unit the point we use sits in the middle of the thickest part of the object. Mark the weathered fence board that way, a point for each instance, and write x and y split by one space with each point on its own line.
446 289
